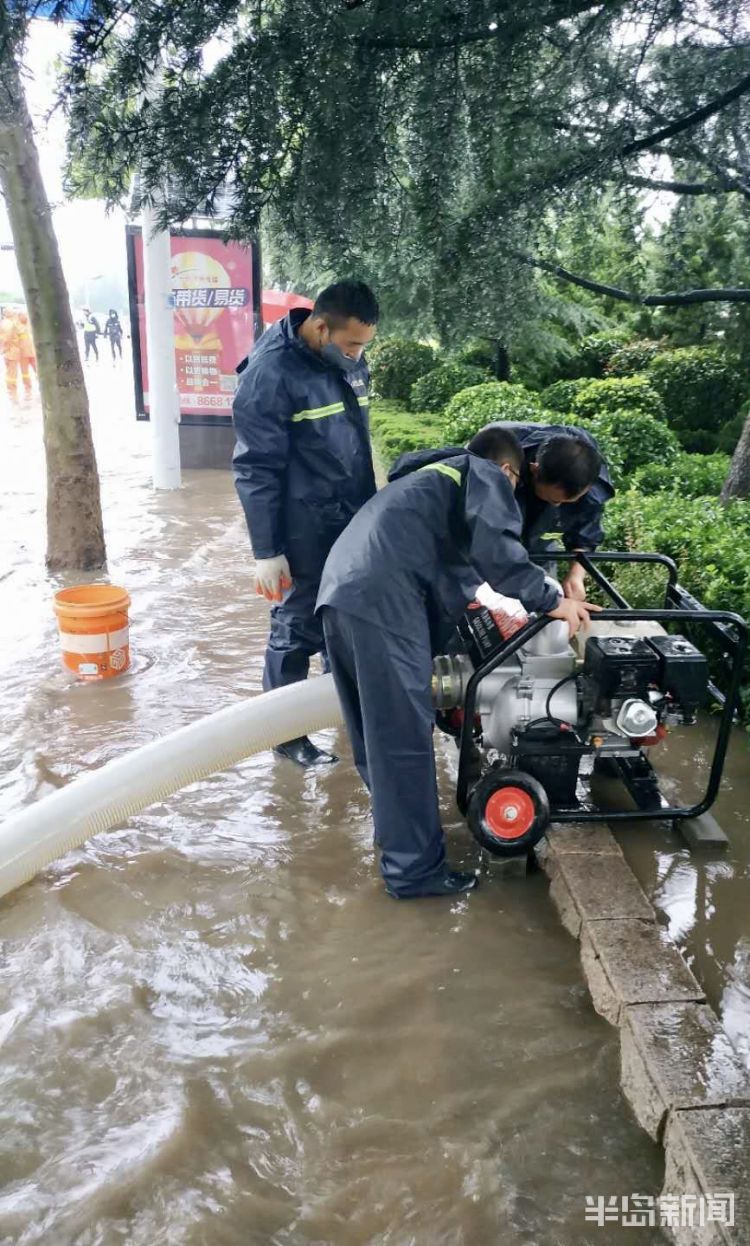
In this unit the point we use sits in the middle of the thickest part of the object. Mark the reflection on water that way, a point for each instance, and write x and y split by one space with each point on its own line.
216 1027
704 896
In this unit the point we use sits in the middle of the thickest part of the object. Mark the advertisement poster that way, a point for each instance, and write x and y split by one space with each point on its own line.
216 304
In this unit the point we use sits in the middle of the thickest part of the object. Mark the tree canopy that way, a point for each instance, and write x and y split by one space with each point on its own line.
437 145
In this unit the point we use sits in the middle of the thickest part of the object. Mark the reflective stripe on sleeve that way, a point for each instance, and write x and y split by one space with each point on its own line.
445 470
318 413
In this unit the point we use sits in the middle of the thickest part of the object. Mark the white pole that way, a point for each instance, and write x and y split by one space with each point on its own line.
164 403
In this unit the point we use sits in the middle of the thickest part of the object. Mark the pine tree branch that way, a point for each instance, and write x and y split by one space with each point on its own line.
557 13
689 120
681 299
683 188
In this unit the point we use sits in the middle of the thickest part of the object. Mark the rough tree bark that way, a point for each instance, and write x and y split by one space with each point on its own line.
75 535
737 483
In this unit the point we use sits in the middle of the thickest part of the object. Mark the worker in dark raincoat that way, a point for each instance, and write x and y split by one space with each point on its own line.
414 554
303 467
562 492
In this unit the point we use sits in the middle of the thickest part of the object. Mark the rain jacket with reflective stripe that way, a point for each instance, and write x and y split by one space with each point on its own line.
414 545
302 463
578 523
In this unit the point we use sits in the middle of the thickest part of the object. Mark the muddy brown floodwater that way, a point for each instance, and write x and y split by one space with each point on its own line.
216 1027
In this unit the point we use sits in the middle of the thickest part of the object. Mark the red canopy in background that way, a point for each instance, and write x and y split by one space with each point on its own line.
276 303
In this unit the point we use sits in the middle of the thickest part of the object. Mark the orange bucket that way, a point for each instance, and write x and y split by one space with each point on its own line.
93 623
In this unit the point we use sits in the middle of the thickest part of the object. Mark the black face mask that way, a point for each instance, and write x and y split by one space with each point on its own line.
336 357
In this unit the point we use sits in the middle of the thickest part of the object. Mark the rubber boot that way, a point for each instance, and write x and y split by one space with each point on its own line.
304 753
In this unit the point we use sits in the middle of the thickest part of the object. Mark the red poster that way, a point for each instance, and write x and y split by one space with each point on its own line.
216 299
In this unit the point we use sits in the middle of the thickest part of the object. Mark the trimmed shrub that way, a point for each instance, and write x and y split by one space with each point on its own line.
690 475
472 408
396 364
562 395
701 390
478 354
629 440
396 431
434 391
627 393
699 533
730 433
634 357
594 353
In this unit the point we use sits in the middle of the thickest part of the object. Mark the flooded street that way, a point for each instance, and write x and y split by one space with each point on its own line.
216 1027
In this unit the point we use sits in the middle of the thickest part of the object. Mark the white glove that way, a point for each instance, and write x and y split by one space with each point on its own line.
487 596
272 577
508 613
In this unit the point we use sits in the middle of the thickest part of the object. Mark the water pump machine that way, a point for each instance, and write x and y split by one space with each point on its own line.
537 716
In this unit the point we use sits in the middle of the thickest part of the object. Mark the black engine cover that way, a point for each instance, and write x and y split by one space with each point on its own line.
620 666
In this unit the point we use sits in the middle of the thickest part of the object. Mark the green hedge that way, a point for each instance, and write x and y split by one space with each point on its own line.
478 354
625 393
730 433
396 431
434 391
472 408
562 394
396 364
629 441
709 542
634 356
701 390
690 475
594 353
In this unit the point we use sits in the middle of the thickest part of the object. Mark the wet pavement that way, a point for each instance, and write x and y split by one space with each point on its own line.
216 1027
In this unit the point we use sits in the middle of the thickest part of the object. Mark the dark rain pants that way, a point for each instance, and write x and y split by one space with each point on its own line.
384 684
296 634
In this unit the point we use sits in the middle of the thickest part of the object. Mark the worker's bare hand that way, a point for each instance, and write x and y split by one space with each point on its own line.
575 613
272 577
574 584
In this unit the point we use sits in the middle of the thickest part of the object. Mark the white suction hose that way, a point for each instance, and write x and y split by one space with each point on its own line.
98 801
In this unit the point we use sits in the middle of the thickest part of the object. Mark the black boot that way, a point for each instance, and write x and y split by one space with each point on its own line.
305 753
451 883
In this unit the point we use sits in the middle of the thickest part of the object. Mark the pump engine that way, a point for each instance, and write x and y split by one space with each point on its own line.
557 711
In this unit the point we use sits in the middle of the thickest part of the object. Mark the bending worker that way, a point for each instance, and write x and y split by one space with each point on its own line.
404 563
563 489
303 467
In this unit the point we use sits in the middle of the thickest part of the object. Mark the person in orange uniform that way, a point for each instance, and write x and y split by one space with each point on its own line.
26 352
9 351
17 349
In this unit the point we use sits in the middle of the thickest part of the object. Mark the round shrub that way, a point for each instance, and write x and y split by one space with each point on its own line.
562 395
633 357
396 364
701 391
478 354
626 393
699 533
730 433
630 439
470 409
433 391
593 353
690 475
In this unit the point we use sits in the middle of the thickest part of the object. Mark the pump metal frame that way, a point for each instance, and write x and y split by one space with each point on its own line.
728 630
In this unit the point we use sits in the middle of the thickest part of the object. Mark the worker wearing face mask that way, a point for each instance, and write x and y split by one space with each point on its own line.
303 467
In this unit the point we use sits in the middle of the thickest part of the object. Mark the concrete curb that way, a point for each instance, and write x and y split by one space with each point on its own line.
680 1073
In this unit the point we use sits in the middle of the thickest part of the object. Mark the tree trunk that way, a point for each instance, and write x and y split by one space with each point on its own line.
75 535
737 483
502 361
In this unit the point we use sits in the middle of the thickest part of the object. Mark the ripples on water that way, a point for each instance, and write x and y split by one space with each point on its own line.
216 1027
